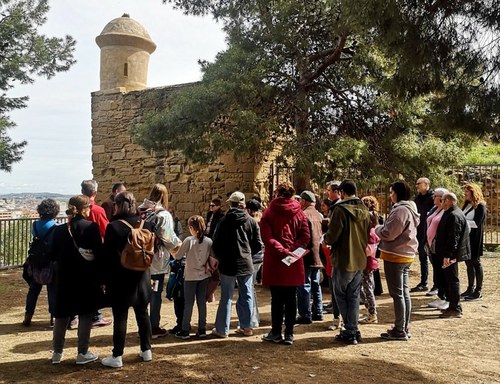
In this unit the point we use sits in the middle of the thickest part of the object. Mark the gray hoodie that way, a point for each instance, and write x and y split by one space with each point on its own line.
398 235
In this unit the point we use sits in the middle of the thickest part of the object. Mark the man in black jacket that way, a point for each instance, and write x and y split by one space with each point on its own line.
452 243
236 240
424 202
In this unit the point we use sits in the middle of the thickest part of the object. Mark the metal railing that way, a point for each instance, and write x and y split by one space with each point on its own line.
15 237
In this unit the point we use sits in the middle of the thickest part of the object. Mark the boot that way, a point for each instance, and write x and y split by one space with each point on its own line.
27 319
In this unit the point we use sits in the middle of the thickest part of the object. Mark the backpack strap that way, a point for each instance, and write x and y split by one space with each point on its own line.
130 226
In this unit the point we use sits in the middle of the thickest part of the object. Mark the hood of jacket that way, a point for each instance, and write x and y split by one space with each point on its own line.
236 216
411 206
355 208
285 206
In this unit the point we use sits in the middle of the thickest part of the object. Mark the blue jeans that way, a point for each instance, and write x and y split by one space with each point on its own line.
397 277
244 304
255 309
192 290
311 288
32 297
346 287
155 305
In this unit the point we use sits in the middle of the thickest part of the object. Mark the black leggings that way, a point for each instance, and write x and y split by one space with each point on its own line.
283 301
474 272
120 316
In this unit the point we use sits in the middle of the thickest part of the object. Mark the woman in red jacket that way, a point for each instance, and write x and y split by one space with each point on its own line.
284 228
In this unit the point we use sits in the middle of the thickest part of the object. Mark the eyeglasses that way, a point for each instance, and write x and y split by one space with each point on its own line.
211 205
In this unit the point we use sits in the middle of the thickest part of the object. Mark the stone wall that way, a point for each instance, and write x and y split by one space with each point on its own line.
116 158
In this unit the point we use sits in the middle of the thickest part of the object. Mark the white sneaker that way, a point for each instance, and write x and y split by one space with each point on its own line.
56 358
86 358
436 303
146 355
113 362
444 306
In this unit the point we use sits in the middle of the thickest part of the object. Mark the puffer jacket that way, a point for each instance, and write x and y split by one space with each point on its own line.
284 228
236 240
398 235
452 235
348 234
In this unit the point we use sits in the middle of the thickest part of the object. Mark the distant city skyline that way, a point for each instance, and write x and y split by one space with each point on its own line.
57 121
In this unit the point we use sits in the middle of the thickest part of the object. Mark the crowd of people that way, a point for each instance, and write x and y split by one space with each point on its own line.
289 246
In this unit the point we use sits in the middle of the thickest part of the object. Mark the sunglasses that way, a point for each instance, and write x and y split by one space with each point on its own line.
211 205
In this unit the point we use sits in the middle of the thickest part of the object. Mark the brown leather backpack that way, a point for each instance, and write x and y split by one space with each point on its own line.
139 250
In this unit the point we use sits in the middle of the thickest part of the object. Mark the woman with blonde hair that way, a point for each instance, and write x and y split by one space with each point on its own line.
155 211
474 209
76 248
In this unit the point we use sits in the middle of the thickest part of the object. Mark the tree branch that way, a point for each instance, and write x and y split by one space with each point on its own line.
330 59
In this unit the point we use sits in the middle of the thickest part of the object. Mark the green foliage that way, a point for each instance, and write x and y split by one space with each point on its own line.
14 236
24 55
388 83
483 153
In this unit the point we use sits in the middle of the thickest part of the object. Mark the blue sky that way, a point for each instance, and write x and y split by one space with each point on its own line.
57 122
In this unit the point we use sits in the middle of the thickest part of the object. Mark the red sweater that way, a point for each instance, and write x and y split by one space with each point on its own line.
98 215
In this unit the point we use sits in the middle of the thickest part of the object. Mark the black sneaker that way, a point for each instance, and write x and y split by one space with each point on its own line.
275 338
317 318
175 329
420 288
393 334
184 335
303 320
158 332
288 340
201 333
468 292
358 337
348 338
476 295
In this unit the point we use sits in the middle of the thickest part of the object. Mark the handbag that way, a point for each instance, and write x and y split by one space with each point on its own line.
42 276
87 254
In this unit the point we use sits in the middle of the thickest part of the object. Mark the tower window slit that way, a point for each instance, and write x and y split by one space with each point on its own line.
125 69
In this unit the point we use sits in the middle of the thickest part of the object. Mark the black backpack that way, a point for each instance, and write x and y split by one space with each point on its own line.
39 250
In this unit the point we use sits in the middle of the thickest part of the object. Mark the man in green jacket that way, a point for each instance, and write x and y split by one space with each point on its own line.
348 236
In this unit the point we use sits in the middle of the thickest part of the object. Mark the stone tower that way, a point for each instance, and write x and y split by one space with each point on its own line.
125 50
122 101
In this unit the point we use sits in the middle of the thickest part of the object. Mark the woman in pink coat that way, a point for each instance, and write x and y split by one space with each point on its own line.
284 228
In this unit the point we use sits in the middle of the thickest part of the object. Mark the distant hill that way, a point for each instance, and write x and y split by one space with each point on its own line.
34 196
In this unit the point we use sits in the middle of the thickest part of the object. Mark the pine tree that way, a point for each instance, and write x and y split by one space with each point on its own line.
302 75
24 55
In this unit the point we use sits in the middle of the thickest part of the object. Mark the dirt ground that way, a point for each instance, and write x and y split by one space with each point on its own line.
465 350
